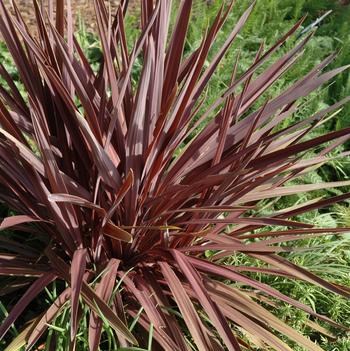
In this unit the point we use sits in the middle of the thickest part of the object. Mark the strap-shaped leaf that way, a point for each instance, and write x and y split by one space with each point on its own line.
77 273
104 290
42 282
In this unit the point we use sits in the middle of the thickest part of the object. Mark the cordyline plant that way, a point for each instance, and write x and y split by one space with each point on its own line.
88 165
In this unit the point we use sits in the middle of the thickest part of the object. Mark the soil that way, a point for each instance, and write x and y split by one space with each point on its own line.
83 8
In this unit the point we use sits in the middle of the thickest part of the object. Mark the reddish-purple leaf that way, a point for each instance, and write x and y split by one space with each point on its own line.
43 281
16 220
42 324
104 290
77 273
208 304
186 307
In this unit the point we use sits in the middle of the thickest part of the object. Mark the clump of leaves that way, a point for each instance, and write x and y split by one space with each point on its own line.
138 234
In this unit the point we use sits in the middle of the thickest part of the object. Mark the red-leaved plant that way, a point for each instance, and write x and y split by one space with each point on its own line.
90 165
